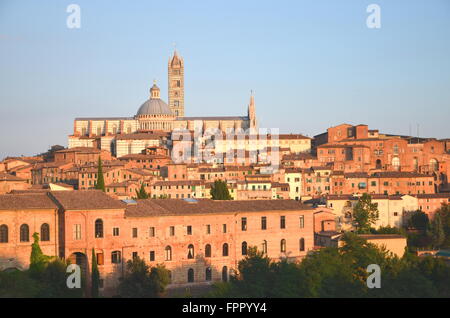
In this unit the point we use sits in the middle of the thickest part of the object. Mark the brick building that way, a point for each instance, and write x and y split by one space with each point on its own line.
199 241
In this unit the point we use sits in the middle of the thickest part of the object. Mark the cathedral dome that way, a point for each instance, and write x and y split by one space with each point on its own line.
154 105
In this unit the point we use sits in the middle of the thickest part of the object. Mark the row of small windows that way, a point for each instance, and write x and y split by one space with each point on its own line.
244 246
189 231
24 233
264 222
99 233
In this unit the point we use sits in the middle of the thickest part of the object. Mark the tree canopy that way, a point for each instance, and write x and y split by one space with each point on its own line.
365 214
219 191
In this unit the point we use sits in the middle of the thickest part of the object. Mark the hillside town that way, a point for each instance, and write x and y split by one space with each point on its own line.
143 186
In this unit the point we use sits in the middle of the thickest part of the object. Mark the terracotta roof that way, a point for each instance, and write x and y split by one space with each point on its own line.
86 200
292 136
398 174
143 156
80 149
356 175
152 207
179 182
10 177
299 156
26 201
433 196
141 136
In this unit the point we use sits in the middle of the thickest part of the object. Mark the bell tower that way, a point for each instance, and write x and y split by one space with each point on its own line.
252 112
176 84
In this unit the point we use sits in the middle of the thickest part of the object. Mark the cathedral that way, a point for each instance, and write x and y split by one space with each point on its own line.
154 120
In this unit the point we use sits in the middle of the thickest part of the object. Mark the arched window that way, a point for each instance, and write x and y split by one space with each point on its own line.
225 274
244 248
168 252
45 232
116 257
208 273
98 228
24 233
190 251
264 247
396 163
190 275
3 233
283 246
302 244
208 250
416 163
434 165
378 164
225 249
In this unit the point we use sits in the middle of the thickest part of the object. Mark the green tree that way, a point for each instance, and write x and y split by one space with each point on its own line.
436 231
140 281
418 220
95 276
142 194
100 185
219 191
38 260
365 214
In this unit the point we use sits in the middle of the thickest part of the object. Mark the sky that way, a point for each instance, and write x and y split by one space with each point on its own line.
311 64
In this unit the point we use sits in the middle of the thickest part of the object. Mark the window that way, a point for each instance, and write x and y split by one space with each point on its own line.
190 251
45 232
98 228
225 274
135 232
244 224
172 230
189 230
135 255
168 252
302 244
116 231
152 232
264 247
77 231
208 274
224 228
263 223
116 257
282 222
283 246
208 229
24 233
302 221
100 259
244 248
152 256
3 233
190 275
225 249
207 250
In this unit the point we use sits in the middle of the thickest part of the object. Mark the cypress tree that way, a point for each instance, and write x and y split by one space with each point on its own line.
142 194
219 191
37 259
100 185
95 276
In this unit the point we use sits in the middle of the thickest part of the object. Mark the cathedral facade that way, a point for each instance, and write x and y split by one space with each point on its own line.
154 120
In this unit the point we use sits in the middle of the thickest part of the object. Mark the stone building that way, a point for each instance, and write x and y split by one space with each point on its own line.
199 241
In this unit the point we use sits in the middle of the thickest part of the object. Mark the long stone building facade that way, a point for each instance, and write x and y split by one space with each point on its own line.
199 241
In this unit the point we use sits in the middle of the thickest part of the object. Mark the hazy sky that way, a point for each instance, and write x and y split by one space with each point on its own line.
312 64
